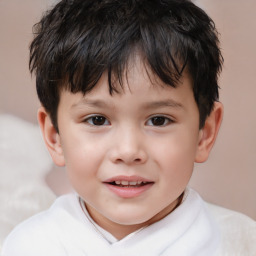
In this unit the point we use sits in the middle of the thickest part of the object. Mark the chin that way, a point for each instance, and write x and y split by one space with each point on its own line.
129 219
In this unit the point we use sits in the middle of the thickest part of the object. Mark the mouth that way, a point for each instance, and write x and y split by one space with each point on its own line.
128 187
128 184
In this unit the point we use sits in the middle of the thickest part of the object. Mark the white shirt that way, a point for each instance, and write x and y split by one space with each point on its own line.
65 229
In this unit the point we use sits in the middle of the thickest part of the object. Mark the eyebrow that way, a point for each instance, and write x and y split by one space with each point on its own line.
163 103
90 103
147 105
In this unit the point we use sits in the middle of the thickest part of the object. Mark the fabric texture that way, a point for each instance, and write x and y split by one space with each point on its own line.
194 228
238 232
65 230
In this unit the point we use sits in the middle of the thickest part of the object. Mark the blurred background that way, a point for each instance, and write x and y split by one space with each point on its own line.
228 178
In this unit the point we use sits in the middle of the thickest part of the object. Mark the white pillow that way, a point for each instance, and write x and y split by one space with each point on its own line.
24 163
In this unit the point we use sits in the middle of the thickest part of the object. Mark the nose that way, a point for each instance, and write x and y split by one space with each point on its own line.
128 146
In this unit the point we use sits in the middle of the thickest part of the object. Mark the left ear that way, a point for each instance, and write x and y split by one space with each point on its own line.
209 133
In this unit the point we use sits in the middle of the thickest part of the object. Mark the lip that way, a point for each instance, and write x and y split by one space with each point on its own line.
127 178
128 191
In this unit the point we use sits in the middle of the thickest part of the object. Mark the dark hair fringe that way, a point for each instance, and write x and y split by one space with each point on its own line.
77 41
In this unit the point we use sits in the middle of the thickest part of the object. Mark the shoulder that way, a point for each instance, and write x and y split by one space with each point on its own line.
238 231
40 234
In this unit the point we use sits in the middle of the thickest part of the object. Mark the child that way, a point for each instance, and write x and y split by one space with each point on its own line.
129 98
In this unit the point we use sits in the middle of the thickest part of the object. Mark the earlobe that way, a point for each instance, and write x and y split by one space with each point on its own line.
51 137
209 132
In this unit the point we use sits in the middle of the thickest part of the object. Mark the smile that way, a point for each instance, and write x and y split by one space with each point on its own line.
128 187
125 183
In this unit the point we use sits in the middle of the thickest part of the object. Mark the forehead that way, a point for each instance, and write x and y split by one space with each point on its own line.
137 76
139 86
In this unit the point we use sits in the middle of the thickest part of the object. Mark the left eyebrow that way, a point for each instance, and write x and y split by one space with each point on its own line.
164 103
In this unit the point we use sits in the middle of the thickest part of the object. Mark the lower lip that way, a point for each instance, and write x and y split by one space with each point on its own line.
129 192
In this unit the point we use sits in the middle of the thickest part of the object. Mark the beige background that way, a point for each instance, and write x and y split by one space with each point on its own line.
229 176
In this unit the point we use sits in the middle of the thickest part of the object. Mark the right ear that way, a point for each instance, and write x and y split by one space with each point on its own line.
51 137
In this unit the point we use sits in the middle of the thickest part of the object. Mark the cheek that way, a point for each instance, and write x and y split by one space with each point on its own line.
82 171
175 154
83 157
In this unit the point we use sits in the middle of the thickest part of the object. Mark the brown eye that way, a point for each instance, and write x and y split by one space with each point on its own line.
97 120
158 121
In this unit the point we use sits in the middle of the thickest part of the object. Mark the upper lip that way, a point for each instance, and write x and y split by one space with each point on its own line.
127 178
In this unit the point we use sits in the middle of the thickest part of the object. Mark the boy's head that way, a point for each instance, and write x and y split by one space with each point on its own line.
79 40
128 90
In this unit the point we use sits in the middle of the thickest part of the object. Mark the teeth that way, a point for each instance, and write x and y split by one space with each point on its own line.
129 183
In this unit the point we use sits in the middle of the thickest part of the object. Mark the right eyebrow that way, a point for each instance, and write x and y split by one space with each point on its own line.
90 103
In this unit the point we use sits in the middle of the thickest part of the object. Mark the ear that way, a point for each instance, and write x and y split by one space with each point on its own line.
209 133
51 137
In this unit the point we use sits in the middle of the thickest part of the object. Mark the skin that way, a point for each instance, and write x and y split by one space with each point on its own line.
146 131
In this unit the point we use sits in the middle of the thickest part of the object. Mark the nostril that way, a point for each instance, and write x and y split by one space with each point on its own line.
128 156
135 161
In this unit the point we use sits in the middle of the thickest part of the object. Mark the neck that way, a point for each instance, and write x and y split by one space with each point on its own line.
119 231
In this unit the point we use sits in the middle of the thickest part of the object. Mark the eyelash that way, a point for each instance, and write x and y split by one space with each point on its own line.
103 121
91 120
166 120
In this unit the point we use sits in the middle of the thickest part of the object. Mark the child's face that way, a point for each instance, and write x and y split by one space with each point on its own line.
146 136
